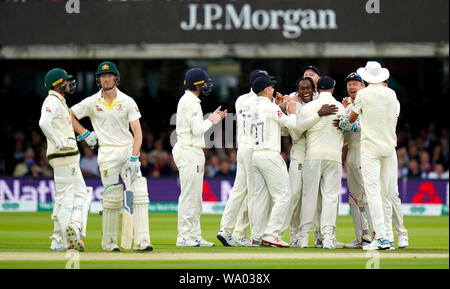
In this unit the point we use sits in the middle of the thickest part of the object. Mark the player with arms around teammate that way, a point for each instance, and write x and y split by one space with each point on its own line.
322 169
72 198
378 108
271 175
236 209
305 91
189 156
112 113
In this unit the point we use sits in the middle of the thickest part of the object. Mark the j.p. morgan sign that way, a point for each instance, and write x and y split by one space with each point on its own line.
291 21
223 21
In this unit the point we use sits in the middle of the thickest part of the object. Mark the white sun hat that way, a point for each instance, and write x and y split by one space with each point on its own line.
373 72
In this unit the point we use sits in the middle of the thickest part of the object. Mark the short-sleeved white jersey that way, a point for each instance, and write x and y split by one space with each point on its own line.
111 122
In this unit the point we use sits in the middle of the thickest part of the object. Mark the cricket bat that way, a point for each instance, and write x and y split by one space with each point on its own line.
127 214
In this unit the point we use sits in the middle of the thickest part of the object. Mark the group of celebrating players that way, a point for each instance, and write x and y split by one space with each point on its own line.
266 197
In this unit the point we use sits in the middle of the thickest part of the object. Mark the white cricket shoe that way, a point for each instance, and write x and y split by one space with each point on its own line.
302 243
378 244
403 242
58 243
338 245
274 241
187 243
226 239
74 238
328 244
204 243
356 245
243 242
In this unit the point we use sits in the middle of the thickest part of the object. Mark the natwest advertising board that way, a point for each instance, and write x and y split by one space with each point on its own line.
214 190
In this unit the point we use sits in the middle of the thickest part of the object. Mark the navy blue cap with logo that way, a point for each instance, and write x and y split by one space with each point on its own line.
262 82
326 82
311 67
198 76
353 76
258 73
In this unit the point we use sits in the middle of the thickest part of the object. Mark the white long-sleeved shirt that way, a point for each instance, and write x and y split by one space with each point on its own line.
190 126
267 122
56 124
378 110
298 136
323 140
244 106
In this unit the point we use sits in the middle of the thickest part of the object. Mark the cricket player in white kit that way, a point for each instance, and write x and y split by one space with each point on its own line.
322 169
237 205
352 139
189 156
394 213
271 175
378 109
112 113
72 198
304 94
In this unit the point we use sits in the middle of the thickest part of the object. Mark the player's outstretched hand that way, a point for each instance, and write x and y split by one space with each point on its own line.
327 109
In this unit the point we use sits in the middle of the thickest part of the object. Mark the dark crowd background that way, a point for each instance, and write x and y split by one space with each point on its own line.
421 85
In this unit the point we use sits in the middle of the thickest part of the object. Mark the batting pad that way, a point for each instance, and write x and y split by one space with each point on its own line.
112 201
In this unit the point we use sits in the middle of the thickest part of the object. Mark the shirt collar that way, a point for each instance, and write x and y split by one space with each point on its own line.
192 95
325 93
58 95
263 99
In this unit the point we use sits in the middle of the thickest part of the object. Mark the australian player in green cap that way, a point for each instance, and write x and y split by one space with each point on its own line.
72 197
112 113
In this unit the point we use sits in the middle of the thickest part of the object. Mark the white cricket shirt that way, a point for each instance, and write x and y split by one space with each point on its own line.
244 106
56 124
267 122
111 122
378 109
323 140
190 125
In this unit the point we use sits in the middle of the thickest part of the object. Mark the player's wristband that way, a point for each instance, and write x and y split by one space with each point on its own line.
83 135
133 159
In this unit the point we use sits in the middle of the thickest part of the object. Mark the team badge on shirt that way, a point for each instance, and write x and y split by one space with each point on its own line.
47 109
279 113
98 108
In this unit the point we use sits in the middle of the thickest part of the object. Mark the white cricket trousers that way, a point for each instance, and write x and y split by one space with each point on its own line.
242 191
357 198
295 185
393 212
191 165
379 177
271 185
71 193
323 175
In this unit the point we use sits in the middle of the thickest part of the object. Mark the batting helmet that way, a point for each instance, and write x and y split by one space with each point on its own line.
197 77
55 79
107 67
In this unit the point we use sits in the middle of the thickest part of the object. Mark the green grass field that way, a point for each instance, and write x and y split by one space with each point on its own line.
25 243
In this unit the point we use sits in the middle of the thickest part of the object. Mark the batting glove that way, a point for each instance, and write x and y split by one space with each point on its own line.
90 138
66 144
